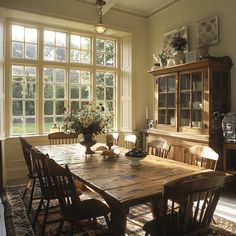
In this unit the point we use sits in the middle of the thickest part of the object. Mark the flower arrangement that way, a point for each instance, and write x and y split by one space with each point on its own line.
91 119
163 56
178 42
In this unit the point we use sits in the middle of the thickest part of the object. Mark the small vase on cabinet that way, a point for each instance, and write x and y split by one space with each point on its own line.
179 57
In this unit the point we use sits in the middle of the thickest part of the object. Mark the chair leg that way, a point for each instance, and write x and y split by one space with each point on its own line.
60 226
108 222
31 197
37 212
45 218
26 189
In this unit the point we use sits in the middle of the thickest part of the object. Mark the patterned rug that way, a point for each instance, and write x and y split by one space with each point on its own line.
18 224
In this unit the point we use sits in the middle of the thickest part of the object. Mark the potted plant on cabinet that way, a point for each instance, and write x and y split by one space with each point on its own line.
179 43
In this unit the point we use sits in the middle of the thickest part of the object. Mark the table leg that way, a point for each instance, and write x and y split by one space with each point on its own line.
157 206
118 221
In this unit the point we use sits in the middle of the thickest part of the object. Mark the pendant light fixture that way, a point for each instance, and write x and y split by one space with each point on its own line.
100 28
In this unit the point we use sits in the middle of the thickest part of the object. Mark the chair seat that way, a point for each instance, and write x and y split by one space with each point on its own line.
90 208
157 227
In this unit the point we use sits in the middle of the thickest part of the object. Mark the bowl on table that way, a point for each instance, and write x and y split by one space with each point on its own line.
134 156
109 155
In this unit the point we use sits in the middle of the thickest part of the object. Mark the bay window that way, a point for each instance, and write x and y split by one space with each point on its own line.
50 69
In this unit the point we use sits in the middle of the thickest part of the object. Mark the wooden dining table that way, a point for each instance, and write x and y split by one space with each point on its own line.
119 183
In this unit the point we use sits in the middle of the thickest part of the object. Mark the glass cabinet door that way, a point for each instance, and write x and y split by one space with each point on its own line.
166 100
191 99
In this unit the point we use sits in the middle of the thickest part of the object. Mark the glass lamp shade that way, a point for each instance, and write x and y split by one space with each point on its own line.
100 28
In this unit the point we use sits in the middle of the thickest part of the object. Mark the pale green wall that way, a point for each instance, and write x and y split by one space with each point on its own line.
187 13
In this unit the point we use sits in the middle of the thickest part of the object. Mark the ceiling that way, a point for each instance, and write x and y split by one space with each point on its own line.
135 7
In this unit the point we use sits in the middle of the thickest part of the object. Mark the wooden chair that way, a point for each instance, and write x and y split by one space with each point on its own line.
73 209
62 138
203 156
130 141
32 175
48 192
158 148
196 197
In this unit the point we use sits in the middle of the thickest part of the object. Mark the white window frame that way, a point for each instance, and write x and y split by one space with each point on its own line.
125 121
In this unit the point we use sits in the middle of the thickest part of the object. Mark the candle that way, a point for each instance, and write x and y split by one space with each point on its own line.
146 113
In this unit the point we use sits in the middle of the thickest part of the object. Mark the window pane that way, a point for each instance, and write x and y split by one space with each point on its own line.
48 108
30 35
74 55
74 76
18 50
18 127
17 90
17 33
85 43
75 41
100 59
30 125
85 77
85 57
74 92
60 54
49 37
85 92
109 60
162 100
109 45
60 91
30 51
17 73
48 122
60 76
30 91
109 79
100 93
100 45
29 108
17 108
75 106
109 93
48 91
100 79
48 53
59 107
48 75
60 39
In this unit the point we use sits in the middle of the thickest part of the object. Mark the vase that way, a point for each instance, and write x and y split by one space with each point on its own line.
163 63
88 141
179 57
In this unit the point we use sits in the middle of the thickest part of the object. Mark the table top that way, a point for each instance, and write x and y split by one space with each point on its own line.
116 180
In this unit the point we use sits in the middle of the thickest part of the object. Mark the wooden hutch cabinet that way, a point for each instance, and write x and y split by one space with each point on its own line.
188 102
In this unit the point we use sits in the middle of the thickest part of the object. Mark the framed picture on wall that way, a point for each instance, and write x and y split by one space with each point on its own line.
191 56
167 37
208 31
